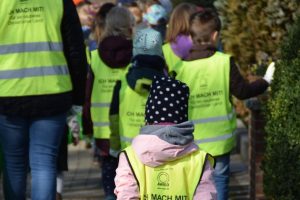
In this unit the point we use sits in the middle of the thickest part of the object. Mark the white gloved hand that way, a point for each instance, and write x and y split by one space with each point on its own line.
269 73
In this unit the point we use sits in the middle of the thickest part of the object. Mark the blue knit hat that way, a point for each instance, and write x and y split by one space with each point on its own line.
147 42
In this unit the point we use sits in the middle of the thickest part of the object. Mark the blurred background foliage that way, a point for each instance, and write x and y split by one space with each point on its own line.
204 3
252 32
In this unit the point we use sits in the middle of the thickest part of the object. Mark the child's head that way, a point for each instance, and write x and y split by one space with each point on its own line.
167 101
119 22
179 21
99 22
85 17
136 11
145 4
156 15
79 2
205 27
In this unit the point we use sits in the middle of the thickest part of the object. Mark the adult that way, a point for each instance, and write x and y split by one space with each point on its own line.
42 73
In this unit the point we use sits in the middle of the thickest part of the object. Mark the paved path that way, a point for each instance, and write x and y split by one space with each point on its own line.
82 181
239 180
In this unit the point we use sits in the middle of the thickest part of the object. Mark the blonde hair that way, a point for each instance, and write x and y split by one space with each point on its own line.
119 22
179 21
99 21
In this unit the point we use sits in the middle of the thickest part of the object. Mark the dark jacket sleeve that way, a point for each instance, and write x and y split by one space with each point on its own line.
241 88
115 143
87 123
74 50
114 106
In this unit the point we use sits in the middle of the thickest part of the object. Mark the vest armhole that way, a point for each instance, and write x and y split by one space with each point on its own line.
131 168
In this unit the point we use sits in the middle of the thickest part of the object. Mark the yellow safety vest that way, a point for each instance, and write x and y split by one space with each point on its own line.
171 58
104 82
176 179
209 106
32 61
131 113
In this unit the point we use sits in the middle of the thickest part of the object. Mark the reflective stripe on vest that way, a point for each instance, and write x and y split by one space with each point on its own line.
216 139
171 58
100 105
174 180
227 117
36 71
209 103
131 113
32 61
104 82
31 47
125 140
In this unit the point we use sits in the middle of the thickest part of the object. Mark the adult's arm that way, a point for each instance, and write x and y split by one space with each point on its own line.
74 50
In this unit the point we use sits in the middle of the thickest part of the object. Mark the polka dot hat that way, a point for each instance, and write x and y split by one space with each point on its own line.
167 101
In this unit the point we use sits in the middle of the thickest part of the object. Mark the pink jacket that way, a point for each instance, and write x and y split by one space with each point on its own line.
153 151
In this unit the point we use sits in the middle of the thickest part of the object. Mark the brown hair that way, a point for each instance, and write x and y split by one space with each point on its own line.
144 4
99 22
118 22
179 21
136 11
203 24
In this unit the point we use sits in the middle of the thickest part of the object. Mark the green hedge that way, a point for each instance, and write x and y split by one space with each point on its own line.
253 30
281 163
205 3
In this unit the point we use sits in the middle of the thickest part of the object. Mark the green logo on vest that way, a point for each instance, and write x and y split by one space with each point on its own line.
163 179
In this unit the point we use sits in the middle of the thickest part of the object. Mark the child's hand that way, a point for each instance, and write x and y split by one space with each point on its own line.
270 72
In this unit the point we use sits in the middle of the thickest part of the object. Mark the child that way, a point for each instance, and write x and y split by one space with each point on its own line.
163 160
98 29
138 15
213 77
178 40
108 64
156 17
130 94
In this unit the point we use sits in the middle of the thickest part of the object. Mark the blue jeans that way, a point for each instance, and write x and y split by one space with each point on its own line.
221 176
34 142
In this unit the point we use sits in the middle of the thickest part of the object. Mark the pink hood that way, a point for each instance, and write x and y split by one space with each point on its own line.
155 146
153 151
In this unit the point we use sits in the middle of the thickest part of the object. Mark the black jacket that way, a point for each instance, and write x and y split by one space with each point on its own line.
74 50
